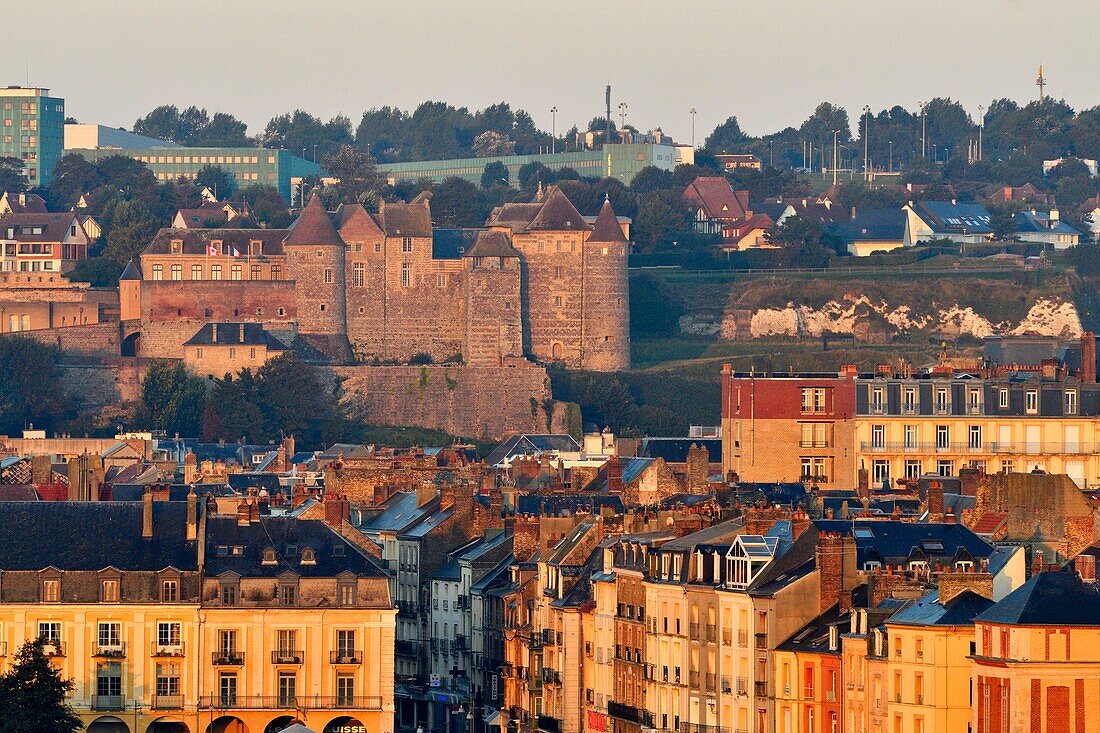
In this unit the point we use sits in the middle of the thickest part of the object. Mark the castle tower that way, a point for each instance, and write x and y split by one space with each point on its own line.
129 293
605 312
315 261
492 292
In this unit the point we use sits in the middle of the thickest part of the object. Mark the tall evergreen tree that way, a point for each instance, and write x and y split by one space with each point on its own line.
32 695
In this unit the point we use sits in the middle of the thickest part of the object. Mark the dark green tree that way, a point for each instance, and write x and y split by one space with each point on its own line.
172 399
72 176
33 695
359 178
30 391
652 178
218 180
726 138
294 401
99 272
1003 224
455 203
268 206
533 173
11 175
495 174
662 215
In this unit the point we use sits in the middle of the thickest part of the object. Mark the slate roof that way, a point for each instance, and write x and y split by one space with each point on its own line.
562 504
873 225
55 226
280 533
18 492
452 244
632 468
519 445
235 334
195 241
953 218
400 513
492 243
450 570
607 227
675 450
1056 599
814 636
717 198
894 542
557 214
32 203
130 272
514 216
1029 222
71 535
406 220
928 611
313 226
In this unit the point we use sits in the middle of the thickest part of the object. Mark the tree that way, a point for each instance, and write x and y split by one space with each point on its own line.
1003 224
300 131
72 176
172 399
11 175
30 391
217 179
495 174
193 126
726 138
651 178
661 215
359 179
490 143
533 173
223 131
455 203
33 695
99 272
268 206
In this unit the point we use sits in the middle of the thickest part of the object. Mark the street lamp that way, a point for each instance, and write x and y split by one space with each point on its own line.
891 143
314 152
866 134
692 127
981 126
554 129
923 146
835 132
622 115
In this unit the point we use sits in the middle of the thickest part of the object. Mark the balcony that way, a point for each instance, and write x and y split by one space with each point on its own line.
726 688
166 702
761 641
287 656
693 630
814 478
166 650
813 444
551 676
761 688
460 643
108 702
282 702
830 695
700 728
549 724
710 680
727 637
808 693
693 679
742 638
345 656
742 686
407 609
227 658
712 633
462 603
630 714
115 651
53 649
407 648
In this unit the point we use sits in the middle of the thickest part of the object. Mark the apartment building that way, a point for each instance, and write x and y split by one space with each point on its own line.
33 130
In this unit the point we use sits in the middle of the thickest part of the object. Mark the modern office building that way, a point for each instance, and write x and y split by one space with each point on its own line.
271 167
33 130
80 136
622 161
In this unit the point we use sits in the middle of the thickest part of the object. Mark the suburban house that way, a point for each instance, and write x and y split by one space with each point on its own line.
1032 226
1026 193
748 233
876 230
736 161
960 223
715 204
1091 211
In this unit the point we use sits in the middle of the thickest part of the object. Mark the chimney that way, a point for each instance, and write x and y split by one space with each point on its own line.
190 468
935 501
243 513
147 515
614 475
446 494
192 515
213 333
1088 357
1037 563
863 482
337 510
1053 219
1085 565
836 567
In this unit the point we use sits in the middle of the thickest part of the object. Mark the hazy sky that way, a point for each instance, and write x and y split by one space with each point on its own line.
767 61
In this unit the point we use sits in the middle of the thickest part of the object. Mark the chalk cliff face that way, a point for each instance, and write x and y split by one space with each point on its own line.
879 319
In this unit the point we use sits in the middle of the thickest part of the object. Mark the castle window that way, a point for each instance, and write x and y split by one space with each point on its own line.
377 247
196 272
255 248
406 244
282 311
557 301
276 272
235 272
308 556
441 281
255 273
51 591
198 353
357 275
557 272
169 591
362 310
358 247
328 276
158 272
320 253
232 353
406 274
268 556
215 272
177 246
252 354
323 307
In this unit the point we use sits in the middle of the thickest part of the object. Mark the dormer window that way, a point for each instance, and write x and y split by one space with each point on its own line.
268 557
51 590
255 248
169 591
834 638
308 558
177 246
108 592
292 550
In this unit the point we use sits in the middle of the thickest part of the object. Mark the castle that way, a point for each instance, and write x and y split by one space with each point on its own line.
539 282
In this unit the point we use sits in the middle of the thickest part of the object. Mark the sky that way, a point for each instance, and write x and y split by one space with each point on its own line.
769 62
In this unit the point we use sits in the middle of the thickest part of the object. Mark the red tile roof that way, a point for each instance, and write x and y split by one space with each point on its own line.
718 200
990 522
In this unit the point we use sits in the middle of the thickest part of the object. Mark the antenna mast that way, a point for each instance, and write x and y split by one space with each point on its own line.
607 100
1041 82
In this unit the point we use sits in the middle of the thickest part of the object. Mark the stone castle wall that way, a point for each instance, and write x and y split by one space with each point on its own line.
469 401
93 339
605 320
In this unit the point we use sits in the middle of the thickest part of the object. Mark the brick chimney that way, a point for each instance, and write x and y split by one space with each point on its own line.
337 510
1088 357
863 479
970 479
698 468
525 537
244 513
147 515
1085 565
192 515
614 475
935 501
463 515
836 567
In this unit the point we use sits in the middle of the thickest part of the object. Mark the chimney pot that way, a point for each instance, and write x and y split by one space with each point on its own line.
147 515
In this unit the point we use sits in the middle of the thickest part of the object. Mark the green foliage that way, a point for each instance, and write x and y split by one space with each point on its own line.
456 204
194 127
33 695
495 174
268 206
726 138
359 179
421 358
172 399
217 179
299 132
283 397
11 175
662 216
30 390
99 272
654 310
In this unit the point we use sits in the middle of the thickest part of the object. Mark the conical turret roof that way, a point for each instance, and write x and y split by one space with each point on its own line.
131 272
607 227
314 226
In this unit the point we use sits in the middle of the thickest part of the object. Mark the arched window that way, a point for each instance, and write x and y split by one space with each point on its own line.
308 558
556 350
269 556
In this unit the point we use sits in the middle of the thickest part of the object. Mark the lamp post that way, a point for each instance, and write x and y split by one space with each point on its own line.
923 146
981 126
866 134
622 115
835 132
314 152
554 129
891 143
692 127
